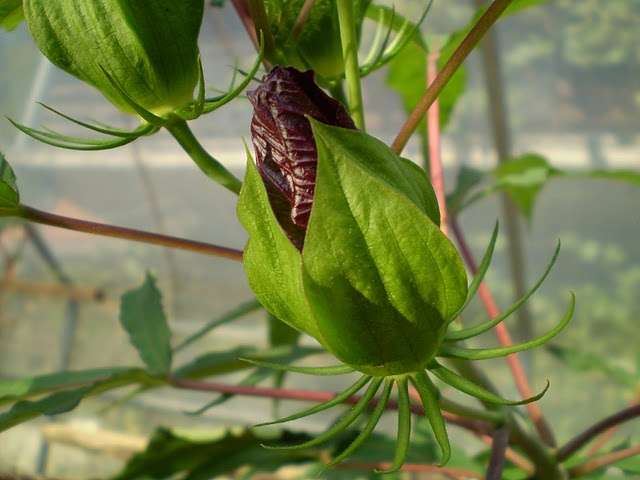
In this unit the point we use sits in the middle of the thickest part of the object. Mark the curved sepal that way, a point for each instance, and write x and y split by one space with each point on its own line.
476 330
380 276
487 353
272 264
318 371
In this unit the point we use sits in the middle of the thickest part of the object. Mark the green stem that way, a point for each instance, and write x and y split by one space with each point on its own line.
209 165
349 38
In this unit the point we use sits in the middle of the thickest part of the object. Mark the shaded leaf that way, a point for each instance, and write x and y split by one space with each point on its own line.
66 400
9 195
468 178
207 455
142 316
219 363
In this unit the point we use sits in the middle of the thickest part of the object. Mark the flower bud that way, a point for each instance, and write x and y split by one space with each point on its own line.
286 153
344 238
132 51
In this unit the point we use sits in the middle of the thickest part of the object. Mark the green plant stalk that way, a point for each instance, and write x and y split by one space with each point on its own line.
209 165
349 39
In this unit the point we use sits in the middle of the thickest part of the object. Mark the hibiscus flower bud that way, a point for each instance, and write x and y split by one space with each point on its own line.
286 154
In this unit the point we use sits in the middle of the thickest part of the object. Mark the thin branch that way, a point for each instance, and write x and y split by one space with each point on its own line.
464 49
576 443
604 438
242 9
94 228
458 473
305 11
81 294
603 461
513 360
476 426
498 453
435 152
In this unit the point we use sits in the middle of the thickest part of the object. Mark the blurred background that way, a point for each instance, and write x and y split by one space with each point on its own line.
571 92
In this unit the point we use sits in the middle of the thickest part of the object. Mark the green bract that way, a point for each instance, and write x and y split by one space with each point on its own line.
376 283
146 49
318 45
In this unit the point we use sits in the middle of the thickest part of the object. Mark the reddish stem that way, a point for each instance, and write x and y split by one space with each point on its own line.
435 151
242 9
504 338
104 230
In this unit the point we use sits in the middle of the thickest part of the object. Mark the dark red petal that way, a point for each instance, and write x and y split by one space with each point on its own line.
286 153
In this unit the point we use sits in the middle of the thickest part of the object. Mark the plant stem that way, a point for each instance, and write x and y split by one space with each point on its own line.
513 360
498 452
604 438
597 463
209 165
349 39
576 443
464 49
102 229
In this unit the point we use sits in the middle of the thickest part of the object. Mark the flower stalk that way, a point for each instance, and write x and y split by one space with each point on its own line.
349 40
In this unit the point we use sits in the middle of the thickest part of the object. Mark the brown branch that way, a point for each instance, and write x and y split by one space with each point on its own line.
476 426
94 228
604 438
82 294
513 360
412 468
597 463
498 453
464 49
590 433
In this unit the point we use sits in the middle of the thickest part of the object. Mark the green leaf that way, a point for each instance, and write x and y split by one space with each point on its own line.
9 195
203 455
272 263
142 316
19 388
581 361
66 400
379 274
220 363
11 14
519 5
523 178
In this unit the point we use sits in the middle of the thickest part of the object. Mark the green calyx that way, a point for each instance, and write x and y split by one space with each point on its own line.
378 285
148 50
376 281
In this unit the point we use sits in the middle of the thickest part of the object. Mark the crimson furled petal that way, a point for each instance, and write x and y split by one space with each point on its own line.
286 153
